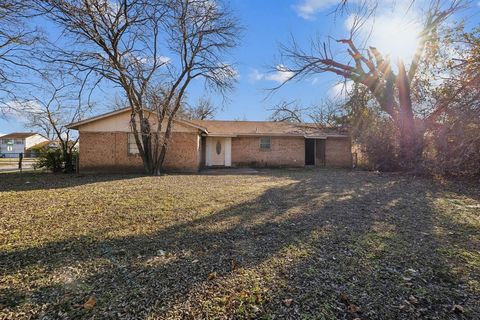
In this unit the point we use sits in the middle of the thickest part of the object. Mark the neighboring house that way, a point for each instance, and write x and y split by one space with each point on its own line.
107 144
12 144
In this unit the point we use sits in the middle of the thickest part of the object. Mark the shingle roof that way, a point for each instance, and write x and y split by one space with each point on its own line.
230 128
18 135
249 128
76 125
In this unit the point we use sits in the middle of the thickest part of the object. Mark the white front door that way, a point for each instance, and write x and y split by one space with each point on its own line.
216 152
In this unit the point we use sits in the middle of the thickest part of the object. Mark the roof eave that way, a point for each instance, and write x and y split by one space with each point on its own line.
76 125
269 134
191 124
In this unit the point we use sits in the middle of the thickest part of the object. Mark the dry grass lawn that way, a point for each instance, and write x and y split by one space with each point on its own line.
295 244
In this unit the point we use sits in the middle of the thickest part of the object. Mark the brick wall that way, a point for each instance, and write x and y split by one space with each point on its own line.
285 151
108 152
338 152
184 153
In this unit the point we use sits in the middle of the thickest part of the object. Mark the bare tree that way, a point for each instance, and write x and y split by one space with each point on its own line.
55 106
369 67
326 114
203 110
122 41
288 112
455 138
330 114
16 39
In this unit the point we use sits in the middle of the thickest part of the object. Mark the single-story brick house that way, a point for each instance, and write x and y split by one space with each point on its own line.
107 144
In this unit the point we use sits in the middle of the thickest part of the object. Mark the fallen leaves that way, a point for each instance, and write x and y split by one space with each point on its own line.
287 302
457 309
344 297
233 265
351 307
412 272
211 276
90 303
412 299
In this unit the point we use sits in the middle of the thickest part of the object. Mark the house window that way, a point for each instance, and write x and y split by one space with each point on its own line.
7 141
9 147
18 141
265 143
132 144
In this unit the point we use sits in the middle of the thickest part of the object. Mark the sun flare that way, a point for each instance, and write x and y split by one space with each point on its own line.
396 37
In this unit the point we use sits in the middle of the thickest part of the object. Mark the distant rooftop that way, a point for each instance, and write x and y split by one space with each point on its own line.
18 135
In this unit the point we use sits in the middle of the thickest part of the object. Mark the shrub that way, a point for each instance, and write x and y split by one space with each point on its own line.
453 147
374 137
53 159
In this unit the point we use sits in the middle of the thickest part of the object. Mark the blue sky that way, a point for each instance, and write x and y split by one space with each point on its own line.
267 23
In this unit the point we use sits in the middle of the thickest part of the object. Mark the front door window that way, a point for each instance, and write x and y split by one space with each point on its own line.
218 147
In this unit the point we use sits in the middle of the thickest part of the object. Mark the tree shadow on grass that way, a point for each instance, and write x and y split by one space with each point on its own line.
371 237
390 256
44 180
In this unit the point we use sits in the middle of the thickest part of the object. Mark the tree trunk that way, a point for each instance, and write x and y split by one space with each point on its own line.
407 139
146 145
408 143
409 146
147 160
67 158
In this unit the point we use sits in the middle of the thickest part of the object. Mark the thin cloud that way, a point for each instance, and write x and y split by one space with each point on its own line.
226 71
340 90
256 75
279 76
307 9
